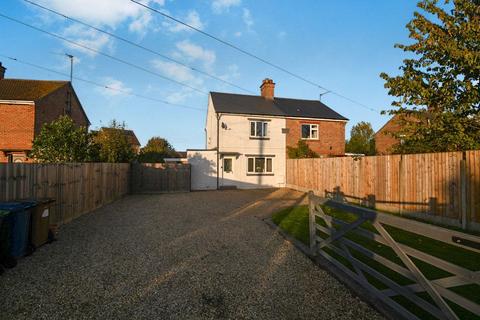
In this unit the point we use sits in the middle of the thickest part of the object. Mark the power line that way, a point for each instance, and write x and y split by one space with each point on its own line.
139 46
209 35
102 53
104 86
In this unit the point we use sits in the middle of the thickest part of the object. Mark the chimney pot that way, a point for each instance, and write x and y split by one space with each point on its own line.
267 89
2 71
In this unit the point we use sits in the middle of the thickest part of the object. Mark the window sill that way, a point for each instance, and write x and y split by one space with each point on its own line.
314 139
259 138
260 174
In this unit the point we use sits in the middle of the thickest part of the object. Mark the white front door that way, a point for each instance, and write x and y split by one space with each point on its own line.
228 167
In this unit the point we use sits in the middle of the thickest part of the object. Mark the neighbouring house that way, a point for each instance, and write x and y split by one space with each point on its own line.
26 105
131 138
247 137
180 157
384 140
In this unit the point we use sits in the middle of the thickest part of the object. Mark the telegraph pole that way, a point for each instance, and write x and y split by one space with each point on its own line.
71 65
69 93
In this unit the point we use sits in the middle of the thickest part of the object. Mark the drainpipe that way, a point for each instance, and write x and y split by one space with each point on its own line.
218 150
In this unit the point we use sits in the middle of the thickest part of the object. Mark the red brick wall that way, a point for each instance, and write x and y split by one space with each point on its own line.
383 141
20 123
16 126
54 105
331 136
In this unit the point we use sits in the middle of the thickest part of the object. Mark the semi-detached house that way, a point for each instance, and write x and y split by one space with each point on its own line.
247 138
26 105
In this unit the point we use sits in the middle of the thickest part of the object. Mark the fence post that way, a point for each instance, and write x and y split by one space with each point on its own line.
311 224
401 177
463 192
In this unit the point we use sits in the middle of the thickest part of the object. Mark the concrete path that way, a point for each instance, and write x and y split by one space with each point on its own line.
199 255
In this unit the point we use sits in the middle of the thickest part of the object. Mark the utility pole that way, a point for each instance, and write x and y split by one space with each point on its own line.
71 65
69 93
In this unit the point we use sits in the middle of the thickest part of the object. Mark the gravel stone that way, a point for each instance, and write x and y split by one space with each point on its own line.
198 255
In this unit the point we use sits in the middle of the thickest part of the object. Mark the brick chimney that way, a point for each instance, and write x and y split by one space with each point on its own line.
267 89
2 71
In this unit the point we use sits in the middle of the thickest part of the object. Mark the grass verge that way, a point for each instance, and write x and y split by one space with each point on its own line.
294 221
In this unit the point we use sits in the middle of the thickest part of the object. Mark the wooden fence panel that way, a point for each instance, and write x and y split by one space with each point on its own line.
424 185
160 177
77 188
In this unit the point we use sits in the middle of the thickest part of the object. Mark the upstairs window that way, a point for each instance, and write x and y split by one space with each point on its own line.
258 129
309 131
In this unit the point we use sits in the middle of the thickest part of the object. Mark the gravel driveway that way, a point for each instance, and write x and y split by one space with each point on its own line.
199 255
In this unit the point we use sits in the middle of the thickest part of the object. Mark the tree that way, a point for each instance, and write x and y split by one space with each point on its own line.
362 139
301 151
439 86
113 144
62 141
156 150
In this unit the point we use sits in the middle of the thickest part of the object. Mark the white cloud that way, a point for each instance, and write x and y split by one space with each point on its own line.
192 18
220 6
181 74
232 73
173 70
105 12
247 18
140 25
195 52
238 34
281 35
86 37
179 96
117 87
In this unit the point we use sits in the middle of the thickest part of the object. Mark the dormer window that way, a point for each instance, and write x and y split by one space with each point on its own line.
310 131
258 129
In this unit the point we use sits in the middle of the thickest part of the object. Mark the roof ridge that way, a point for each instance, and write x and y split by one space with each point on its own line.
35 80
259 96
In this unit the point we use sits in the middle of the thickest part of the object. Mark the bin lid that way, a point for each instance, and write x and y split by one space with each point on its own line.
17 206
41 200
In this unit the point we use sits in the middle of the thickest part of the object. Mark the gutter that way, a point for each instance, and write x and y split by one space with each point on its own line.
18 102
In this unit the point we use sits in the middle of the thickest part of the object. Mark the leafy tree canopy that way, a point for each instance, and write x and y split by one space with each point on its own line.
156 150
439 85
362 139
62 141
301 151
113 145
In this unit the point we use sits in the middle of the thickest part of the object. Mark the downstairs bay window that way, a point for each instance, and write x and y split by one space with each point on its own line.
260 165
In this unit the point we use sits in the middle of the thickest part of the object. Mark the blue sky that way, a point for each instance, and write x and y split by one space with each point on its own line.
342 45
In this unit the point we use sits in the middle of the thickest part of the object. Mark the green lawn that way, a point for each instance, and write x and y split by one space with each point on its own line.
295 222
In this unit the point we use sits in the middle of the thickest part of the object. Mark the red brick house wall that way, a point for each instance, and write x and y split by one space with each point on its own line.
16 127
384 141
19 124
331 136
55 104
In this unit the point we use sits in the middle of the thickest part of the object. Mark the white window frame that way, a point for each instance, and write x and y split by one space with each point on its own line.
313 128
264 129
265 166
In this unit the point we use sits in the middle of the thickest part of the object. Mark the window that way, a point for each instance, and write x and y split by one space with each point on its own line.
258 129
260 165
227 165
309 131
